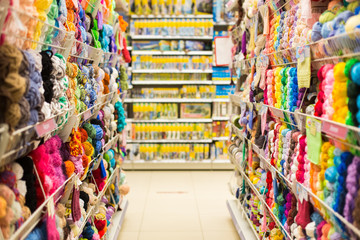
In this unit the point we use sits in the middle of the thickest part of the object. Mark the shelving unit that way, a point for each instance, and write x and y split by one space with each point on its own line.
173 164
179 120
188 16
117 221
149 37
190 53
168 100
170 71
241 221
171 141
172 82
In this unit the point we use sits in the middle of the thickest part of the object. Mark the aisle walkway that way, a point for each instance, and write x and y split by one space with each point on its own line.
179 205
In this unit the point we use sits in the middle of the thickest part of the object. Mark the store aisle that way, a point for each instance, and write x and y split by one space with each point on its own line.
178 205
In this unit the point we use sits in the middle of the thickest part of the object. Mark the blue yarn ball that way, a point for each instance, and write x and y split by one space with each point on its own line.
331 174
99 132
355 74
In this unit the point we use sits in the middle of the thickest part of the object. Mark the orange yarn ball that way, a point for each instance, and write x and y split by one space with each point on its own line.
70 168
84 135
88 148
85 161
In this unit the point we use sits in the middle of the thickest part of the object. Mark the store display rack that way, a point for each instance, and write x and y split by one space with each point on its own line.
170 53
171 71
170 164
172 82
161 37
17 143
173 164
189 16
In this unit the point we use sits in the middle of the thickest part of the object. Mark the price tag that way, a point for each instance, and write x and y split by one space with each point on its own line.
278 113
87 114
110 97
51 207
45 127
335 130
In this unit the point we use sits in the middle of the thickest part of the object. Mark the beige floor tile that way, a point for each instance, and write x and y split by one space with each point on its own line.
178 205
171 205
179 222
170 236
128 235
132 222
213 207
212 235
221 222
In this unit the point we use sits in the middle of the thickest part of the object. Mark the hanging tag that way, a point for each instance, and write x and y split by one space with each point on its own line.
51 207
313 133
304 66
264 110
87 114
299 192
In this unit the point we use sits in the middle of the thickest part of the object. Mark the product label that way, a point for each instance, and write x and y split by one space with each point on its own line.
277 112
87 114
335 130
304 66
45 127
313 138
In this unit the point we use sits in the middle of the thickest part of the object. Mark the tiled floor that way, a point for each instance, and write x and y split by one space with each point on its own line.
178 205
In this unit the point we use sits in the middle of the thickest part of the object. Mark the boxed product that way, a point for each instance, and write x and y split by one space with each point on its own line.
223 91
146 45
194 45
221 109
195 110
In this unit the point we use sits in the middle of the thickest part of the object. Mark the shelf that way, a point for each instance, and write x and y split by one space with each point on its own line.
241 222
192 53
221 100
221 82
167 164
220 138
170 141
117 220
171 82
223 24
220 118
166 100
171 71
175 164
290 184
207 16
152 37
179 120
88 214
37 216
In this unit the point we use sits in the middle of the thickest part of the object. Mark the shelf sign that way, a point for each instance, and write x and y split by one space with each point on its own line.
87 114
277 112
334 130
45 127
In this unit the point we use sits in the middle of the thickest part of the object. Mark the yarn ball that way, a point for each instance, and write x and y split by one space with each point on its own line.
70 168
124 189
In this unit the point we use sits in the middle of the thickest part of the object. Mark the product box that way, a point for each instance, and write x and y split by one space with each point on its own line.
146 45
223 91
195 110
204 6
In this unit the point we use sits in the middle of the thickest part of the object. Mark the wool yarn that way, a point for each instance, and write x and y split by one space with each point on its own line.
352 185
13 86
